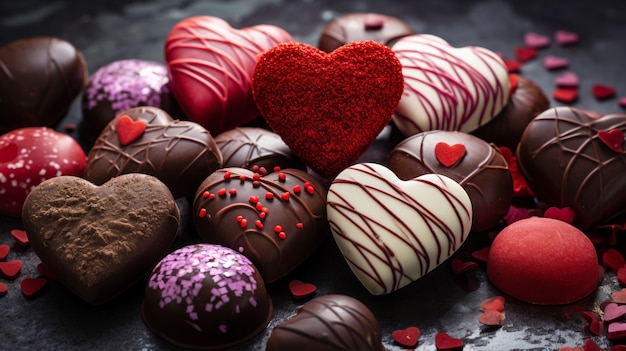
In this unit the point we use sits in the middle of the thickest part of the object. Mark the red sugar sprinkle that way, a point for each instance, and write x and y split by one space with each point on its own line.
278 228
253 199
495 303
206 194
232 191
307 184
202 213
590 345
512 65
310 189
242 178
254 168
259 206
299 225
239 218
256 177
269 196
262 215
491 318
301 289
265 210
460 267
443 341
256 184
481 255
20 236
276 168
259 224
211 196
227 175
244 223
619 296
282 176
262 170
296 189
565 95
282 235
70 127
221 192
524 54
285 196
4 289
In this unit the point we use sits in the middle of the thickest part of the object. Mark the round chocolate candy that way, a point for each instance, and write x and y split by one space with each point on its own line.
206 297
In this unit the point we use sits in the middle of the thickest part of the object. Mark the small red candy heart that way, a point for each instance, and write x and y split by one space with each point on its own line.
443 341
535 40
4 289
618 348
4 251
565 95
491 318
621 276
565 214
481 255
613 259
31 286
601 91
590 345
563 37
613 138
407 337
460 267
525 54
567 80
613 312
129 130
20 236
495 303
449 155
11 269
300 289
593 322
515 214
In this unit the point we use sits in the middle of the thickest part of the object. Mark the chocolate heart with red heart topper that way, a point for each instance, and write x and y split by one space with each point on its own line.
210 66
328 108
567 164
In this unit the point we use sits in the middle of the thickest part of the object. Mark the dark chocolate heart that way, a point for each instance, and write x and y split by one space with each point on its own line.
180 153
566 164
277 220
99 240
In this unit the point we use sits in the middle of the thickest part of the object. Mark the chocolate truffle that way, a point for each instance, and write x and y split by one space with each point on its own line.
120 86
99 240
526 102
39 80
146 140
476 165
256 148
276 220
206 297
329 322
362 26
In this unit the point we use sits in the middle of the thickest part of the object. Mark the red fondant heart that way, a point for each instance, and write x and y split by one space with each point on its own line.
129 130
481 255
491 318
613 259
513 82
11 269
512 66
4 251
566 95
601 91
449 155
565 214
495 303
593 322
613 138
20 236
443 341
406 337
328 108
301 289
31 286
621 276
460 267
524 54
210 66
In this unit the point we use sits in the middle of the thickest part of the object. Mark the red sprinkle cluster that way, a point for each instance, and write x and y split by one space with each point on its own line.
11 269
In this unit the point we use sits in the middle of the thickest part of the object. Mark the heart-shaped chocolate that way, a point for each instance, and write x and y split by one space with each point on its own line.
566 164
276 220
210 66
448 88
392 232
39 80
179 153
98 240
328 108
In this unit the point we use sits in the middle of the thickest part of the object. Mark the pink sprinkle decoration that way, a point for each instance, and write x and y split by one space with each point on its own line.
563 37
535 40
567 80
552 62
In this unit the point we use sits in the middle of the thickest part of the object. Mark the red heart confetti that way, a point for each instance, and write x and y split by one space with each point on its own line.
622 101
4 251
31 286
552 62
567 80
565 95
602 91
406 337
563 37
613 259
613 312
535 40
565 214
619 296
20 236
590 345
449 155
443 341
525 54
461 267
11 269
512 66
129 130
491 318
495 303
593 322
613 138
481 255
616 331
513 83
301 289
45 271
520 187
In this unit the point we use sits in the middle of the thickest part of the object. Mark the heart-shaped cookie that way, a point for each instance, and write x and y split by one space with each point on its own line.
392 232
210 66
566 163
448 88
328 108
98 240
179 153
276 220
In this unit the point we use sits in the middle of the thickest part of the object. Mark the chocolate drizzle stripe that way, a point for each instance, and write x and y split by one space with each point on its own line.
255 150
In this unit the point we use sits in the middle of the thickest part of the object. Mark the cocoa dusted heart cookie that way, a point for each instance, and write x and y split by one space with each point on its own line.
147 140
99 240
276 220
570 158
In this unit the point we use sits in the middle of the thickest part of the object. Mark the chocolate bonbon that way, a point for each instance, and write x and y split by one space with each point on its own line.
146 140
99 240
39 80
276 220
206 297
329 322
477 166
392 232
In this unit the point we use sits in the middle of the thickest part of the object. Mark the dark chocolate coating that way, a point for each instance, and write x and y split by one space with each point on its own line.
239 209
249 147
206 297
526 102
328 323
99 241
566 164
382 29
180 153
39 79
482 171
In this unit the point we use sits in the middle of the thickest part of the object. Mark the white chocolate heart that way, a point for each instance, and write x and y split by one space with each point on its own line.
392 232
448 88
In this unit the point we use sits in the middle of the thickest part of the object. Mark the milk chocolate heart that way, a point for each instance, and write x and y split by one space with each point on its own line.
276 220
448 88
98 240
392 232
210 66
328 108
566 164
179 153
